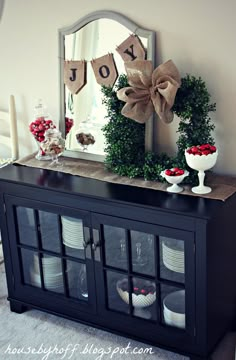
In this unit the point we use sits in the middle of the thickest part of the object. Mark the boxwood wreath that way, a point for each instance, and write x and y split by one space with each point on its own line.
125 138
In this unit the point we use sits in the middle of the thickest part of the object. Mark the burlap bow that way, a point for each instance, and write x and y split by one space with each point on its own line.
149 90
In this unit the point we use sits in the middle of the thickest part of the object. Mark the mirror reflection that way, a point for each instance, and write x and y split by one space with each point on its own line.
90 41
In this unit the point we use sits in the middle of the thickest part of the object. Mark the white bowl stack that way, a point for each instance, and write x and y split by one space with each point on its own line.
174 309
72 232
52 273
173 254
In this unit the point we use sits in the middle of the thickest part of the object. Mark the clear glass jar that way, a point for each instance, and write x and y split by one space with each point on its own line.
53 145
84 136
41 123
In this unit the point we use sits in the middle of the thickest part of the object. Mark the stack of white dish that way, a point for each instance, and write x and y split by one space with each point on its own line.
174 309
173 254
52 273
72 232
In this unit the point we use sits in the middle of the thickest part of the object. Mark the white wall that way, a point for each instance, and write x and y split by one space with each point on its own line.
199 36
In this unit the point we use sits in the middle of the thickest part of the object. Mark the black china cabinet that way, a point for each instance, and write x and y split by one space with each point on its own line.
146 264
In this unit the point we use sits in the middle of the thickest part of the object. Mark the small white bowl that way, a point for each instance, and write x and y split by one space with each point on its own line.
174 180
140 300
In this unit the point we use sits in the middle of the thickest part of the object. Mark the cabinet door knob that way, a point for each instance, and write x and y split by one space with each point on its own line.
96 240
95 246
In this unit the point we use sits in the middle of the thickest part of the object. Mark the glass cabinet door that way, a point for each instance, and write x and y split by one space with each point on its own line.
53 251
147 274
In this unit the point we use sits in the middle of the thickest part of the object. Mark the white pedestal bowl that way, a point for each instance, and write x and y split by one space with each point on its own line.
201 163
174 180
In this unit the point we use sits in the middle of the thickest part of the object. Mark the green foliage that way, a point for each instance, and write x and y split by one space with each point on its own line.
125 138
192 105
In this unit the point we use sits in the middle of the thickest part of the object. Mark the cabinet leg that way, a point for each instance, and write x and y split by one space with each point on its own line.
17 307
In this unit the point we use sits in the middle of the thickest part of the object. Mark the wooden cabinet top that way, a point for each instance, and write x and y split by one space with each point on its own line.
89 188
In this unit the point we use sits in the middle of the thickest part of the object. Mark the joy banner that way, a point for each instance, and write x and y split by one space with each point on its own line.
104 67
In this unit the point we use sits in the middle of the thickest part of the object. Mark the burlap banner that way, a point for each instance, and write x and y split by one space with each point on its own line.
104 67
105 70
131 49
75 75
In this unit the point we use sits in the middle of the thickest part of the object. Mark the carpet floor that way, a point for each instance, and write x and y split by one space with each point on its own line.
40 336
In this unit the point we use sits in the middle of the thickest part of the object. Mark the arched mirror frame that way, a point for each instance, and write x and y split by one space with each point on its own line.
134 28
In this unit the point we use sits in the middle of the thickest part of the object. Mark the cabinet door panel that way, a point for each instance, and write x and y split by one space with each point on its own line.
49 230
59 260
77 280
115 244
172 264
114 302
27 226
142 252
139 267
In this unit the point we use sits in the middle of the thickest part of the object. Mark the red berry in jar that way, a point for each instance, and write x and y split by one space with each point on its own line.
41 127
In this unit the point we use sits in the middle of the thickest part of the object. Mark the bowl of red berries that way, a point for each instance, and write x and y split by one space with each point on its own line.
174 176
143 294
201 158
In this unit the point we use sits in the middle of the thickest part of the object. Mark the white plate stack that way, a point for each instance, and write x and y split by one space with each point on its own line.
72 232
174 309
173 254
52 273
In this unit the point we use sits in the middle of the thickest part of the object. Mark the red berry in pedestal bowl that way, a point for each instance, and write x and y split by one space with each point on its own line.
174 172
204 149
168 172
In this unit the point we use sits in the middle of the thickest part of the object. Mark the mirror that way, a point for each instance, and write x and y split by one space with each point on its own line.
91 37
